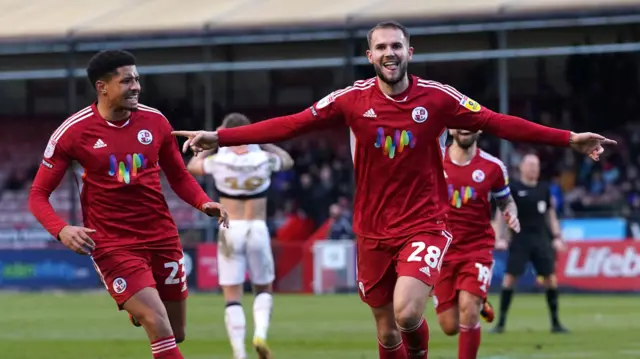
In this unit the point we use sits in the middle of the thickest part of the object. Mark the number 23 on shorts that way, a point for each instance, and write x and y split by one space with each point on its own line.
176 267
430 254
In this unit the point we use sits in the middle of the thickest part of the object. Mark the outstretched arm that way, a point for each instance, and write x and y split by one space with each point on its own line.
324 114
276 129
468 114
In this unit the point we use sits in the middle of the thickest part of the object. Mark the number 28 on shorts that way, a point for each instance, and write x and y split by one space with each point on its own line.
431 254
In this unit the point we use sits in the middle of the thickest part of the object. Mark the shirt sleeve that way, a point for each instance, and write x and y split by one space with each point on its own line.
324 114
54 165
275 162
181 181
461 112
550 199
500 188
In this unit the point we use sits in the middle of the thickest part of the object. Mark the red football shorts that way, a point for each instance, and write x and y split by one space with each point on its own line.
381 262
473 276
126 271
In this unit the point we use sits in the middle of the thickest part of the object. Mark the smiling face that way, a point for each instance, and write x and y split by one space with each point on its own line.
389 53
121 89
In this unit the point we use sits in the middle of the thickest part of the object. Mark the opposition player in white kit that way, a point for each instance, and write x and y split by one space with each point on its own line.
242 176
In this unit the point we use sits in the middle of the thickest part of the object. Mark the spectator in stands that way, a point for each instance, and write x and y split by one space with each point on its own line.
341 223
17 180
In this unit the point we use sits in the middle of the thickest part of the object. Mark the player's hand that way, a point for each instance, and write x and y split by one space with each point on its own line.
198 140
590 144
512 222
77 239
213 209
502 244
559 245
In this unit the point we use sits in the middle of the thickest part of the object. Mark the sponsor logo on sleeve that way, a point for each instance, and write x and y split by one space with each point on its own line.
470 104
51 148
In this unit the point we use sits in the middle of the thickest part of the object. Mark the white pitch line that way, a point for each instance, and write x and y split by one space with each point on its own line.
626 352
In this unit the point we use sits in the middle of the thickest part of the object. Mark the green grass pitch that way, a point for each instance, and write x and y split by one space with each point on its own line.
87 326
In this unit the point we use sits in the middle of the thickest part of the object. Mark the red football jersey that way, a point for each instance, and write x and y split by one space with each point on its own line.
397 145
470 186
121 193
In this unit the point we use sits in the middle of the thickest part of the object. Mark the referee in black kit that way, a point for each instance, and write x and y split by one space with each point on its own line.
538 240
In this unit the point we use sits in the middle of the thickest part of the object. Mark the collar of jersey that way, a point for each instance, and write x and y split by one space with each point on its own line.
412 82
116 126
462 164
94 108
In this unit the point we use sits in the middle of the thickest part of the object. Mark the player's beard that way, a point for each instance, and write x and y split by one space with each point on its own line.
400 73
127 104
467 141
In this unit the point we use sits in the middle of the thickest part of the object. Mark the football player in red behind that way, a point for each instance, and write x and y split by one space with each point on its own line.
473 177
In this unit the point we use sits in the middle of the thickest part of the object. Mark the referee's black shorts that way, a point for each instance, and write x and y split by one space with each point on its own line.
538 251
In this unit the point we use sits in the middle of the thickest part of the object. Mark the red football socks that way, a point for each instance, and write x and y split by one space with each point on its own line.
416 340
395 352
469 342
166 348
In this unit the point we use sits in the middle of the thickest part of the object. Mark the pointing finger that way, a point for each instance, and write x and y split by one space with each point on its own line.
183 133
594 136
607 141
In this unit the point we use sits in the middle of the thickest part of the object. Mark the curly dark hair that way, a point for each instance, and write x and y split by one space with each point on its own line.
105 64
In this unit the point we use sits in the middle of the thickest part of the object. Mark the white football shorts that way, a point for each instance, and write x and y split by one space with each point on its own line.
245 245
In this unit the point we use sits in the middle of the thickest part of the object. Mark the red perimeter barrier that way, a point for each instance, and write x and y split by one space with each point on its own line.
600 266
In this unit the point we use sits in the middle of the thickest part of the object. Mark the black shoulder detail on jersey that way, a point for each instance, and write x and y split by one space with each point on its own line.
262 194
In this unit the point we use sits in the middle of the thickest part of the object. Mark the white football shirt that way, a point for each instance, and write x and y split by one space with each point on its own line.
242 175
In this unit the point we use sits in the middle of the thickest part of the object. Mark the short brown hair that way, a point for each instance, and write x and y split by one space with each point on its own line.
235 120
388 25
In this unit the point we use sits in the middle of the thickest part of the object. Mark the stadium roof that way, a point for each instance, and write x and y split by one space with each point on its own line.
55 19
